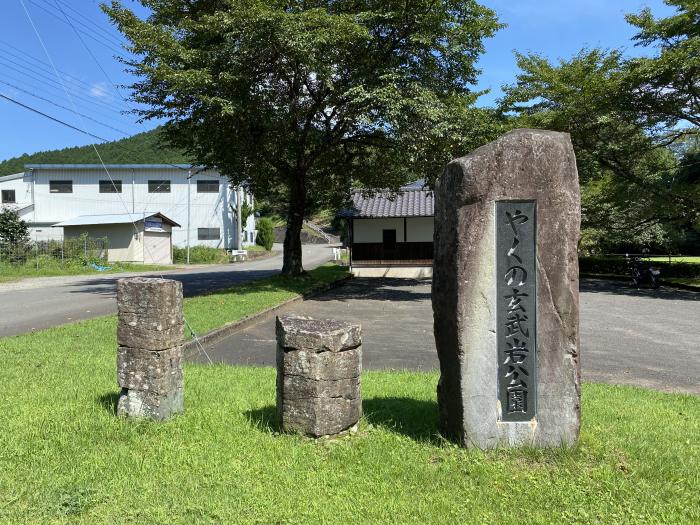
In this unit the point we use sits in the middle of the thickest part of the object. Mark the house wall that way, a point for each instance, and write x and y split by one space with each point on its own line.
207 210
125 244
370 230
420 229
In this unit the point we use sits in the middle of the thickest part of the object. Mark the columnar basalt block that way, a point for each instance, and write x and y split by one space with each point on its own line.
150 334
319 363
505 293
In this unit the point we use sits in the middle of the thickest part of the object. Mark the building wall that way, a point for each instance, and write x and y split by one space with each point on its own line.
207 210
22 189
370 230
420 229
125 244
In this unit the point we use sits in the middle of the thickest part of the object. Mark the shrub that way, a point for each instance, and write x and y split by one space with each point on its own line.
14 236
266 236
200 255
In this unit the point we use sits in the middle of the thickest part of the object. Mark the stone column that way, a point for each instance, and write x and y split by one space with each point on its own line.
505 293
150 333
318 375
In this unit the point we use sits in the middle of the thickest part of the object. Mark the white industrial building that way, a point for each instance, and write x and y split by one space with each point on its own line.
202 202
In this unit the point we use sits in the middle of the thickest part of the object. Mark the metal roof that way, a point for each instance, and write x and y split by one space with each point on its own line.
110 166
115 218
14 176
408 202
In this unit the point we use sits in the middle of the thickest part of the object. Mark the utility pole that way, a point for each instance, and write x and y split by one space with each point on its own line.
189 180
239 222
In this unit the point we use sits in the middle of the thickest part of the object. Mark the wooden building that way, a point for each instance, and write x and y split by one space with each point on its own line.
391 234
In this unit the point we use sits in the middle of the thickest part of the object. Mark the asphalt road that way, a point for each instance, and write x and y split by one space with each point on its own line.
34 304
628 336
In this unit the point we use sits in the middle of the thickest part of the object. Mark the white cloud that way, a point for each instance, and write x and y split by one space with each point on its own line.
100 90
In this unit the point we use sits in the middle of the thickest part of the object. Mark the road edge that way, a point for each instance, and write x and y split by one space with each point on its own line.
191 347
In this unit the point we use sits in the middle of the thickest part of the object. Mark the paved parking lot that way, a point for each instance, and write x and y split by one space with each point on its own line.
628 336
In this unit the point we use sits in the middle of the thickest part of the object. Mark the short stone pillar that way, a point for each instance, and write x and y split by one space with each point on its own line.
505 293
318 375
150 335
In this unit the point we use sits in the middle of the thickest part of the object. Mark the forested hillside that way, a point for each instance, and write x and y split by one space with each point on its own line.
143 148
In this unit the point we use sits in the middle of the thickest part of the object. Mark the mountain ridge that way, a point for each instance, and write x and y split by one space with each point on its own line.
142 148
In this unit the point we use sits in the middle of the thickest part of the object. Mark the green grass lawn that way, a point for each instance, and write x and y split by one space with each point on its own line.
52 268
675 258
689 281
66 458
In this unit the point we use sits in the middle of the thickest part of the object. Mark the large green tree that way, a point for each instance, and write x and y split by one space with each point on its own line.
625 117
666 86
304 98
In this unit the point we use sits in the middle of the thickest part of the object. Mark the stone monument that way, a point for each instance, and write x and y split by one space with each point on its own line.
505 293
318 375
150 331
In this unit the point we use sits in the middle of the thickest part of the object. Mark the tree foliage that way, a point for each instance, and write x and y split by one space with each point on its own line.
311 96
14 232
666 87
266 233
624 116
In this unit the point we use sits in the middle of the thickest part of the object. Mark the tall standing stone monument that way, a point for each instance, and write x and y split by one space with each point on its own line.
319 362
505 293
150 334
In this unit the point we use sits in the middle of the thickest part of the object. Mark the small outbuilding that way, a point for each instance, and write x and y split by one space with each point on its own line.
391 234
144 237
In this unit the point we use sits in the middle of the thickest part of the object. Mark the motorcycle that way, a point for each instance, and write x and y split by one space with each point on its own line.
643 272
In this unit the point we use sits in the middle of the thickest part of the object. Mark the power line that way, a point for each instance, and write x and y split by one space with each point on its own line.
63 123
12 53
64 107
41 77
89 21
100 41
133 222
34 110
92 55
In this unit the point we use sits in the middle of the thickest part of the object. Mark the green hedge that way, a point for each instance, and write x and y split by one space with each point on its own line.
200 255
618 266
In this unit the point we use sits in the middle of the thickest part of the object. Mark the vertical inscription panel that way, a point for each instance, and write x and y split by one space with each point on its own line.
516 300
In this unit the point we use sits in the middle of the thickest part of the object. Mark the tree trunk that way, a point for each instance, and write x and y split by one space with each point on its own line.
292 264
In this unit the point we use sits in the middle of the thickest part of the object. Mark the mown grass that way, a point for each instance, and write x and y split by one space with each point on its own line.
66 458
675 258
688 281
53 268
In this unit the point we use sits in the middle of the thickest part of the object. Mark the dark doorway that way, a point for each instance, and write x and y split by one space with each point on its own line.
389 242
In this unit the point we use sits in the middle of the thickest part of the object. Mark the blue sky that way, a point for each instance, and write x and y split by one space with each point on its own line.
553 28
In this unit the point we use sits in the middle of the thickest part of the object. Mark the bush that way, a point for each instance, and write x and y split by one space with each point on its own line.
618 266
200 255
266 235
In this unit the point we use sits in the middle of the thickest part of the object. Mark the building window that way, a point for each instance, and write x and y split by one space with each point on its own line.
158 186
61 186
207 186
110 186
208 234
8 196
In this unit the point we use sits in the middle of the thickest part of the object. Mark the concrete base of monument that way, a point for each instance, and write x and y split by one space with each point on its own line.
393 271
